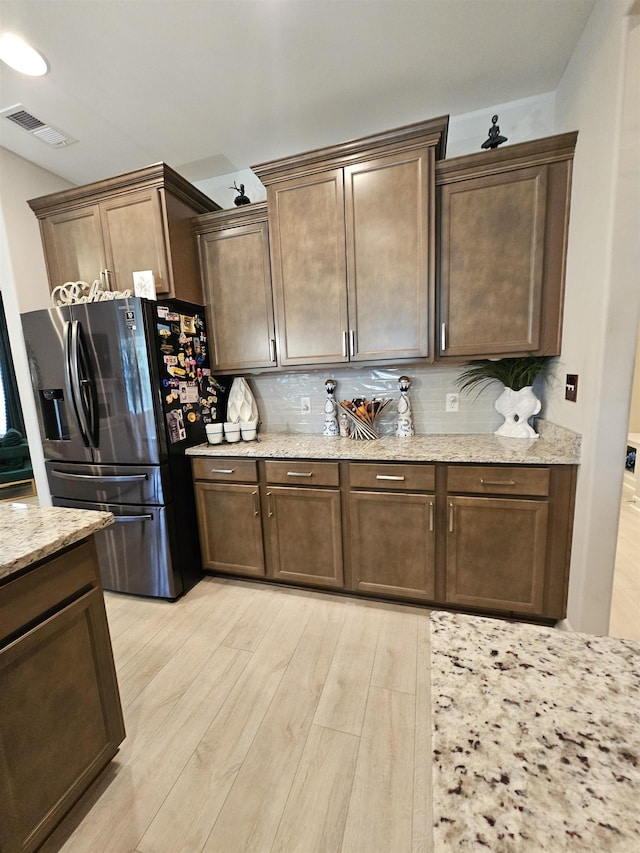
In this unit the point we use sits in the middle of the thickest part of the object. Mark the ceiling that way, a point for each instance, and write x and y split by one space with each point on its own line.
215 86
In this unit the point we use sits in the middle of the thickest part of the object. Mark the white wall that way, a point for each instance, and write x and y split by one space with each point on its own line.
23 279
602 303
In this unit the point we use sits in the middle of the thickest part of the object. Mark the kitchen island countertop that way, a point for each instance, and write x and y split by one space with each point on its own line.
32 533
555 446
536 738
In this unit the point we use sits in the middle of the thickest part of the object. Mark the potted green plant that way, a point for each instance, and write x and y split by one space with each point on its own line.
518 402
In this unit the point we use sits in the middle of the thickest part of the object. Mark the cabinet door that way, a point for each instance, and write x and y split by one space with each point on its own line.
61 719
392 546
389 255
492 264
73 245
305 535
230 528
306 229
237 287
496 553
134 237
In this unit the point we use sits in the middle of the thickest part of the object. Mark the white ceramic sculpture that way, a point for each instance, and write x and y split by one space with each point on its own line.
241 405
516 407
330 410
404 422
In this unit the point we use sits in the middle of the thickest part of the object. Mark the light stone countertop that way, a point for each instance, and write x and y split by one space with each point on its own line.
536 738
555 446
32 533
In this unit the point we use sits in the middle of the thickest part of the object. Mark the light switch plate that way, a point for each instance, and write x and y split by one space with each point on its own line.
571 387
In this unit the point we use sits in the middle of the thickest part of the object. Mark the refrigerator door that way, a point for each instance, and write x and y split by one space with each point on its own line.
135 553
114 355
47 337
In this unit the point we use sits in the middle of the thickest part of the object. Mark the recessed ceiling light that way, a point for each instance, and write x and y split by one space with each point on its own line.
21 56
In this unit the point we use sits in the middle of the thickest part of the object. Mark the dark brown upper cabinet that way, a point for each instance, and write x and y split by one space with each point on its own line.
233 248
110 229
502 238
352 245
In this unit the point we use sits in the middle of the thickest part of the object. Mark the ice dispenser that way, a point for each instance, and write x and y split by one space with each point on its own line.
53 413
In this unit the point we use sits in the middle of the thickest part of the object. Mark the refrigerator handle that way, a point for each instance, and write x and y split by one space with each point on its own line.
83 390
95 478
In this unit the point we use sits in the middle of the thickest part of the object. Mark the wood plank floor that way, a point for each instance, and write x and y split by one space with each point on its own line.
625 600
264 719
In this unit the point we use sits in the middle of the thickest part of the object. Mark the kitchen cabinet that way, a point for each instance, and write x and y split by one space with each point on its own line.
351 230
229 517
59 703
392 511
502 238
133 222
233 248
303 525
508 536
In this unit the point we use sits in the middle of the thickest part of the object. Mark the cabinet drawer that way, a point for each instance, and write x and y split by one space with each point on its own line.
219 468
296 473
401 477
498 480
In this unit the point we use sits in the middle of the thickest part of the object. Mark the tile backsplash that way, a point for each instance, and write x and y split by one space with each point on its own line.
279 397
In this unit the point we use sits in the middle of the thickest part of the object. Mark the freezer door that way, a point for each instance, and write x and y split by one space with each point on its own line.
135 552
114 338
47 340
118 484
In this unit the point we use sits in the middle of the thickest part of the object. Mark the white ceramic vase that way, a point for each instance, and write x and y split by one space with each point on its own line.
516 407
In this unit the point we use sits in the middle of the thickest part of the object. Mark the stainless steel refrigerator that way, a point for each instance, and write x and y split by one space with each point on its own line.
122 387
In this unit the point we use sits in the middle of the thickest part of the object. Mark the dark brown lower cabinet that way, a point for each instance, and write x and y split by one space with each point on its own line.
61 720
304 535
230 528
496 553
392 544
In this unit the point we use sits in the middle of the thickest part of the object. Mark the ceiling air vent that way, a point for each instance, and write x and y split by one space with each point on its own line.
44 132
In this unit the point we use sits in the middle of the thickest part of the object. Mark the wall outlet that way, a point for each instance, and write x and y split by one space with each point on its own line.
451 402
305 405
571 387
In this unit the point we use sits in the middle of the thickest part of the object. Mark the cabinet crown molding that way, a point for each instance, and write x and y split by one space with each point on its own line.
432 132
158 175
246 214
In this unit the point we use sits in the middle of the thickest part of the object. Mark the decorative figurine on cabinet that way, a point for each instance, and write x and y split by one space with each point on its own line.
330 410
241 198
494 135
404 423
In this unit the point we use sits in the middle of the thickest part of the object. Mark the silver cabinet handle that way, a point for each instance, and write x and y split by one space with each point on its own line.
345 345
451 511
272 349
256 506
388 477
352 343
497 482
269 507
222 470
443 336
299 473
430 516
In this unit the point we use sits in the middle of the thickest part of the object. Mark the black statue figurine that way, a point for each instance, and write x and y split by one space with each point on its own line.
241 198
494 135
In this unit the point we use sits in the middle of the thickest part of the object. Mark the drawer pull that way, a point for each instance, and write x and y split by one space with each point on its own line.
497 482
256 508
451 511
388 477
430 516
269 507
222 470
299 473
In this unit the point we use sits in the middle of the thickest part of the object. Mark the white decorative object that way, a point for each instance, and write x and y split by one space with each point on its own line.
330 410
516 407
77 292
404 423
241 405
144 284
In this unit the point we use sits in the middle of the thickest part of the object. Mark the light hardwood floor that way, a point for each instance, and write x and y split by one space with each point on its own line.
625 601
264 719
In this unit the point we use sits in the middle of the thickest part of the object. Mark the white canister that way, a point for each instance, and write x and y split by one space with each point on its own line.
214 433
232 431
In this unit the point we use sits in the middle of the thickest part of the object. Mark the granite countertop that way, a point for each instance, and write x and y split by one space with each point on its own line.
536 738
555 446
32 533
